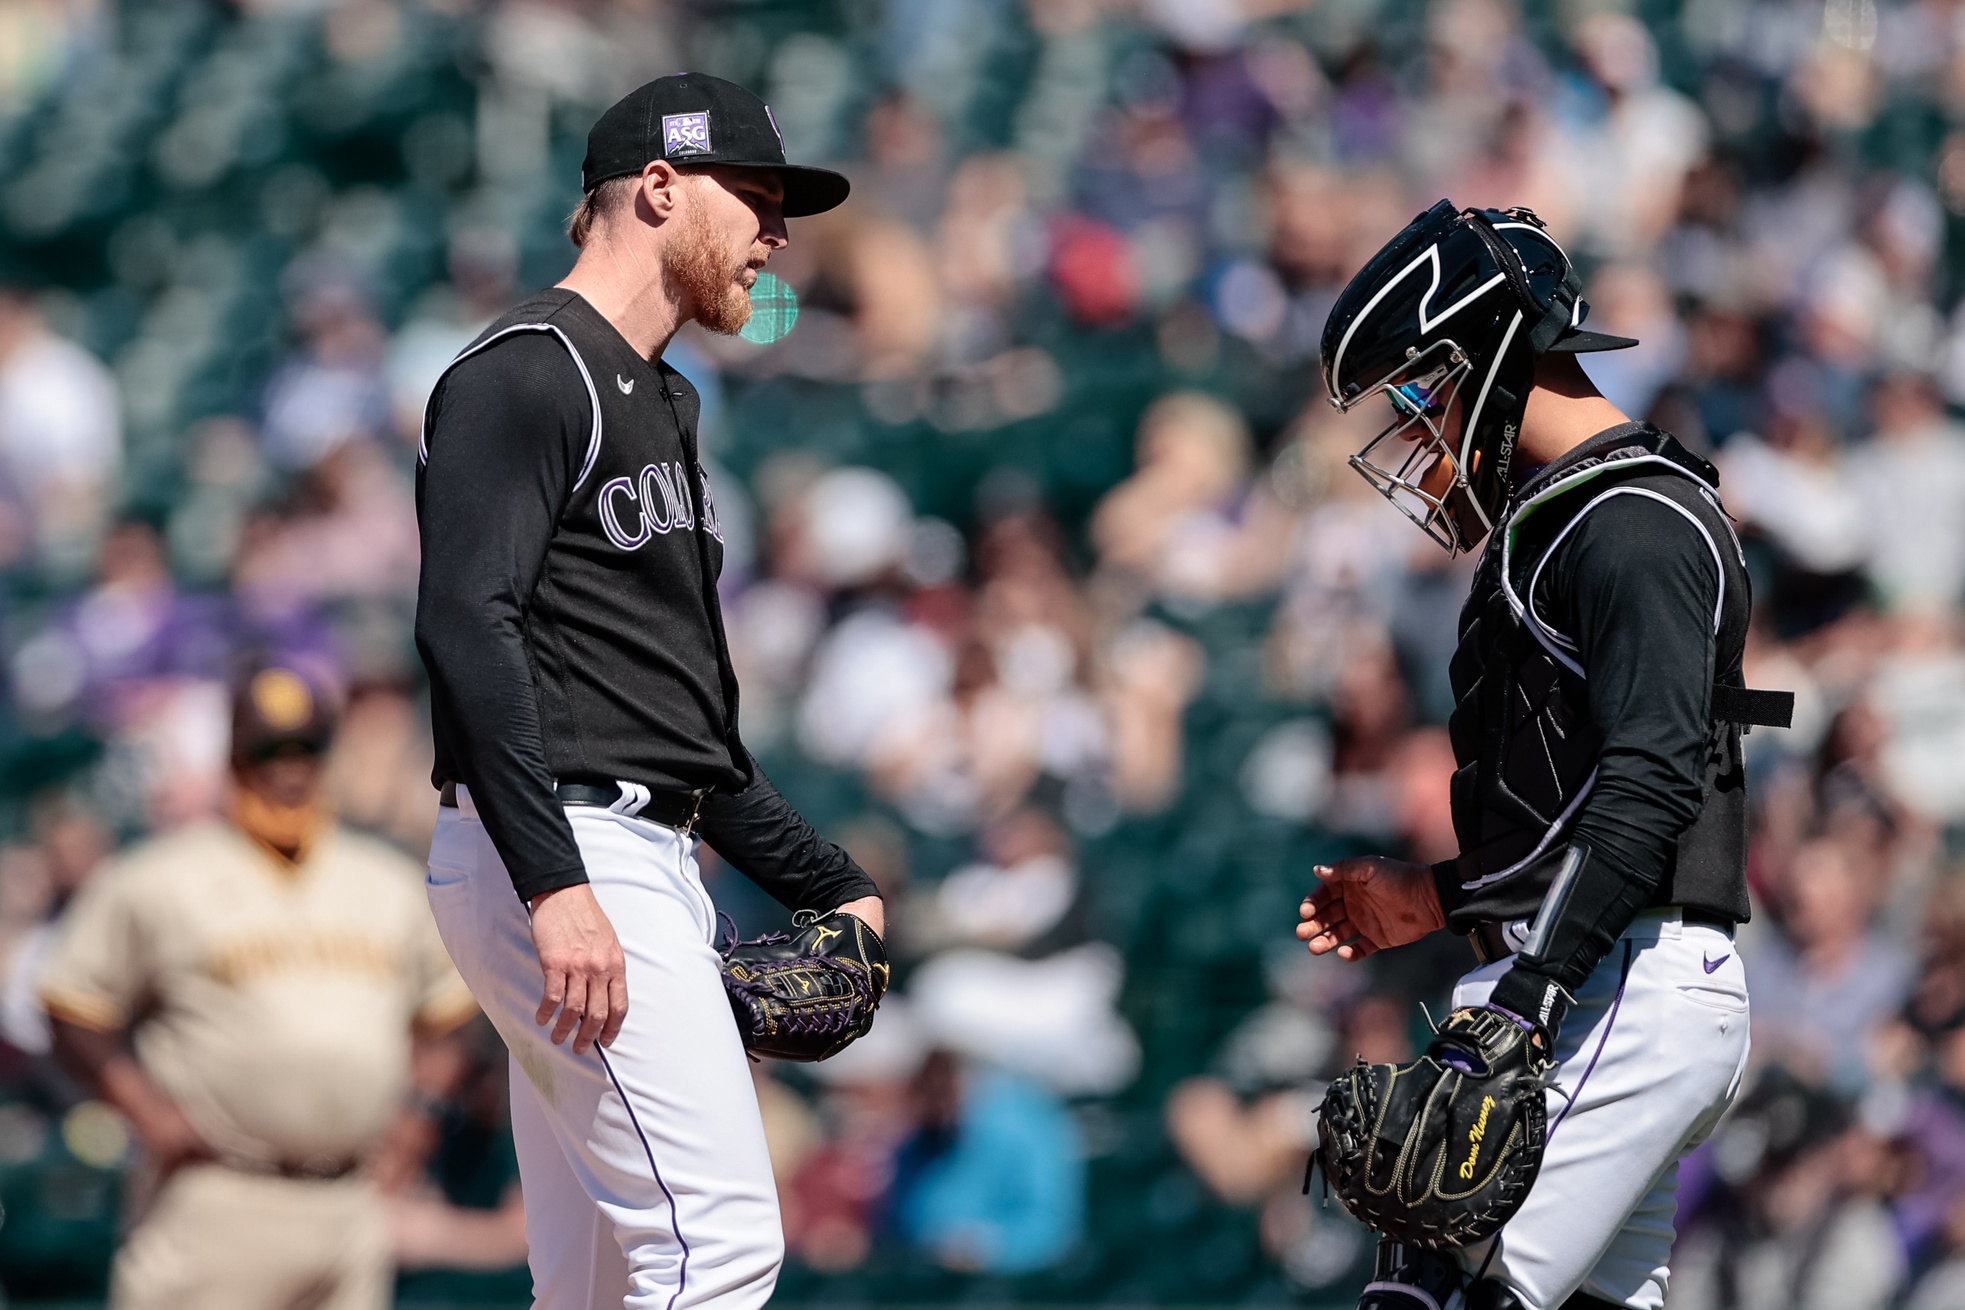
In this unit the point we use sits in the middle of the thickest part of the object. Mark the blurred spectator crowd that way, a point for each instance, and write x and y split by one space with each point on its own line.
1049 588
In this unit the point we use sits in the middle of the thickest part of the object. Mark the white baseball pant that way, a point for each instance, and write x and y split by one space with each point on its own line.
647 1182
1650 1056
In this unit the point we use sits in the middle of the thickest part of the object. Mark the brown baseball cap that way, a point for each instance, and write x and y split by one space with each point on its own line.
276 711
693 118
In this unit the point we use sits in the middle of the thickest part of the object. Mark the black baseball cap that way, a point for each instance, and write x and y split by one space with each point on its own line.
693 118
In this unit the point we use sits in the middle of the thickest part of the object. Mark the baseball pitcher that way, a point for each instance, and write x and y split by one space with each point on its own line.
1530 1158
586 729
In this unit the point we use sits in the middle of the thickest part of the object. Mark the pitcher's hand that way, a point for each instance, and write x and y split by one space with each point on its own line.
586 977
1367 904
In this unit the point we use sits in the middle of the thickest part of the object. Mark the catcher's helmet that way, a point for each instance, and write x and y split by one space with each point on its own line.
1454 308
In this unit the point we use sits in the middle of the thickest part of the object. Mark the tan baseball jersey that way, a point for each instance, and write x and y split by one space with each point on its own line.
273 1003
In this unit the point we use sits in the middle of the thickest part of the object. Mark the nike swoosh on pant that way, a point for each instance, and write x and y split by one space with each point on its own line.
1714 964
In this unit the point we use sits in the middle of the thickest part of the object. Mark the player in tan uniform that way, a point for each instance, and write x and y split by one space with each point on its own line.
249 994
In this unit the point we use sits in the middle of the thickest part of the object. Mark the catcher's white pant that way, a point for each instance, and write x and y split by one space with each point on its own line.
1650 1056
647 1182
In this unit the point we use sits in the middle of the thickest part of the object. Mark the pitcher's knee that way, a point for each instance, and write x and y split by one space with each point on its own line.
736 1269
751 1275
760 1250
771 1253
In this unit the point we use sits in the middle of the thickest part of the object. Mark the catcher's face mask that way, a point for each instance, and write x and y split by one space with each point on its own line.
1421 462
1447 320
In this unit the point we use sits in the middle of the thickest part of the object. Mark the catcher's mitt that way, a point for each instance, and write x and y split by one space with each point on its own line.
1440 1152
808 995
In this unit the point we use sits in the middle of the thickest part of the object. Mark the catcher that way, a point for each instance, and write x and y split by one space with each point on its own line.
1530 1157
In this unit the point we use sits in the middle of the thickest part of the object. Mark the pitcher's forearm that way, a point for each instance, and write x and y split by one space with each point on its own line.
870 910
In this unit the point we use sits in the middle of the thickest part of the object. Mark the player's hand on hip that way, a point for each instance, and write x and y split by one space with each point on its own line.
170 1139
585 974
1367 904
870 911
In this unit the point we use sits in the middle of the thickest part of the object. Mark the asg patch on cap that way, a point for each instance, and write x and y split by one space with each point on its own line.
670 118
685 134
282 699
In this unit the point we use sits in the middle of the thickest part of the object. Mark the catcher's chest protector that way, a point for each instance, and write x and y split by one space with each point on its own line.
1523 738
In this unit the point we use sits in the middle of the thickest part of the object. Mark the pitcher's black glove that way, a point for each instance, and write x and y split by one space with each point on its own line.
1441 1152
808 995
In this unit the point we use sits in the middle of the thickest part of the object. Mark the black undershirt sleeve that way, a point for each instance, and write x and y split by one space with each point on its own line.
770 843
1636 586
508 430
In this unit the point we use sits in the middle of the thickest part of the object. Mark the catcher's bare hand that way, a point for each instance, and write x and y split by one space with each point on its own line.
586 977
1367 904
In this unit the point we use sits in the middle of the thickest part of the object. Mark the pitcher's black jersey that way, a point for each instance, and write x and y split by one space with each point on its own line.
567 610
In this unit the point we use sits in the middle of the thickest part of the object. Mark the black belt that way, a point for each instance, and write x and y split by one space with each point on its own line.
674 809
1490 943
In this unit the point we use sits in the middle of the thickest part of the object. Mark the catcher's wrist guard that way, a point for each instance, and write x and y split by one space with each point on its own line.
1441 1152
809 994
1533 998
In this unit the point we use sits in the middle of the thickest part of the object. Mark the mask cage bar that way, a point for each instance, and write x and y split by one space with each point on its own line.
1422 392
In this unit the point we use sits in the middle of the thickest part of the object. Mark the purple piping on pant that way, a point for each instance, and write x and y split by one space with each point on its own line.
1616 1003
675 1217
1623 977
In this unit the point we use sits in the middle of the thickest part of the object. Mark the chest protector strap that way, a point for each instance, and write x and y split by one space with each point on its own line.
1748 706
